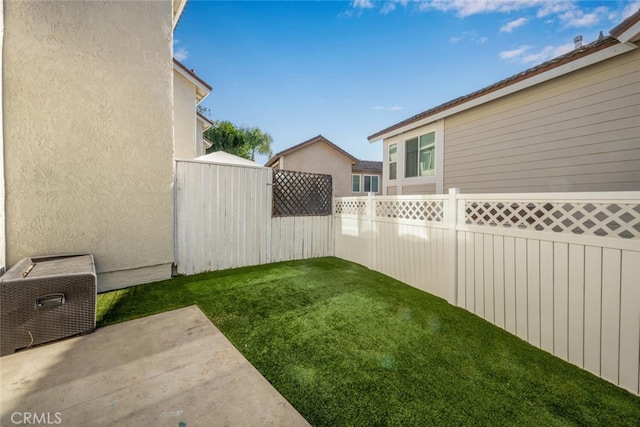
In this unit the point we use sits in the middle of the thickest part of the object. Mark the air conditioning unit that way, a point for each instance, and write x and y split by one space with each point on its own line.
43 299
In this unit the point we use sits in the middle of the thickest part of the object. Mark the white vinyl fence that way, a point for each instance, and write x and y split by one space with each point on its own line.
559 270
223 220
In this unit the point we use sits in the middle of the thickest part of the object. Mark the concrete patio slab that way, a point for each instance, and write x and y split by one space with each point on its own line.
170 369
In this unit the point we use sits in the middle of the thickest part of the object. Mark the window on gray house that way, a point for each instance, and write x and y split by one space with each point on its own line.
393 161
420 156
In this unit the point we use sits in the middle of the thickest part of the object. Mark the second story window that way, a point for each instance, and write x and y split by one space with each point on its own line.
393 161
420 156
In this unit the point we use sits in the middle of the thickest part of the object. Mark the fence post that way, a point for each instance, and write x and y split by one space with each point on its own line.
371 211
451 216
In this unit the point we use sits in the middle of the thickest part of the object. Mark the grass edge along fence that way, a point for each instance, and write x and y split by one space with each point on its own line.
559 270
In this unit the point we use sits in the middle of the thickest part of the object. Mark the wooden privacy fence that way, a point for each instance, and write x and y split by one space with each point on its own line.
224 220
559 270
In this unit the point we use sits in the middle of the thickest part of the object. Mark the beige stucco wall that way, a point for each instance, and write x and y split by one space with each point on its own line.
578 132
3 260
185 129
88 134
320 157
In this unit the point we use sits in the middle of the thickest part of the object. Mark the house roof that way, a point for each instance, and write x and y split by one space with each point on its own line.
628 30
202 88
306 143
367 166
207 143
630 27
221 157
204 119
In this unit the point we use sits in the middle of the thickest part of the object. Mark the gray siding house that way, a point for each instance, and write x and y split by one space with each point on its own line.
569 124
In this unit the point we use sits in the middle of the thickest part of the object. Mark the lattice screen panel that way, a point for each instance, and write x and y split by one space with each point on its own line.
301 193
597 219
351 207
419 210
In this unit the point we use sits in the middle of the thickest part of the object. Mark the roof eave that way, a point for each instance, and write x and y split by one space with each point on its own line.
178 7
628 30
202 88
581 62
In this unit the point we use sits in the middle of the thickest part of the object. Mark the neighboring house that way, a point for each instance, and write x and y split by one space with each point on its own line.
88 134
188 91
366 177
569 124
319 155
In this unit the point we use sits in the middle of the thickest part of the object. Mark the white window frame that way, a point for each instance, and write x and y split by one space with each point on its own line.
364 177
390 162
359 182
418 141
437 179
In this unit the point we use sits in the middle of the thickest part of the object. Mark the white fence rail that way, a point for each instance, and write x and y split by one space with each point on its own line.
223 220
561 271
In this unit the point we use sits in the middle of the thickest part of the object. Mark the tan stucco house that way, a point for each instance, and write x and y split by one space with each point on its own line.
188 91
90 124
350 176
569 124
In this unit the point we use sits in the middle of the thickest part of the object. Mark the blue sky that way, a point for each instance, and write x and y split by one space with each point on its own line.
346 70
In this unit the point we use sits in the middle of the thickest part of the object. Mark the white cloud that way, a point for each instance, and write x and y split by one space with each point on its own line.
514 53
393 108
577 18
630 9
547 53
465 8
181 54
554 7
524 55
512 25
468 36
362 4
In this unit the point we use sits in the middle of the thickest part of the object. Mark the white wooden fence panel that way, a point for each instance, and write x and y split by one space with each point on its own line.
576 305
223 220
559 270
561 300
510 283
498 280
546 296
533 291
521 288
592 311
630 321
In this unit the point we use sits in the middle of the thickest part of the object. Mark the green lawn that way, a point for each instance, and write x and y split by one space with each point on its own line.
349 346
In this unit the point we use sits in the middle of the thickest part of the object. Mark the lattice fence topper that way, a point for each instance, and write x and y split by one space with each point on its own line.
301 193
597 219
351 207
419 210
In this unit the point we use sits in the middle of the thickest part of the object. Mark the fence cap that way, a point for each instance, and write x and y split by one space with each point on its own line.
221 157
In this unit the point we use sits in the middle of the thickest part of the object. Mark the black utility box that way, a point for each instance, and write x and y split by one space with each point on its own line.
47 298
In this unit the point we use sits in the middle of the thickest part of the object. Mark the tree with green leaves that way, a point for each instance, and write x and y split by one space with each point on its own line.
257 141
243 142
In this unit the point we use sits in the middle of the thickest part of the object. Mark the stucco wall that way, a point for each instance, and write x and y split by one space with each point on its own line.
184 101
320 157
3 261
89 134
